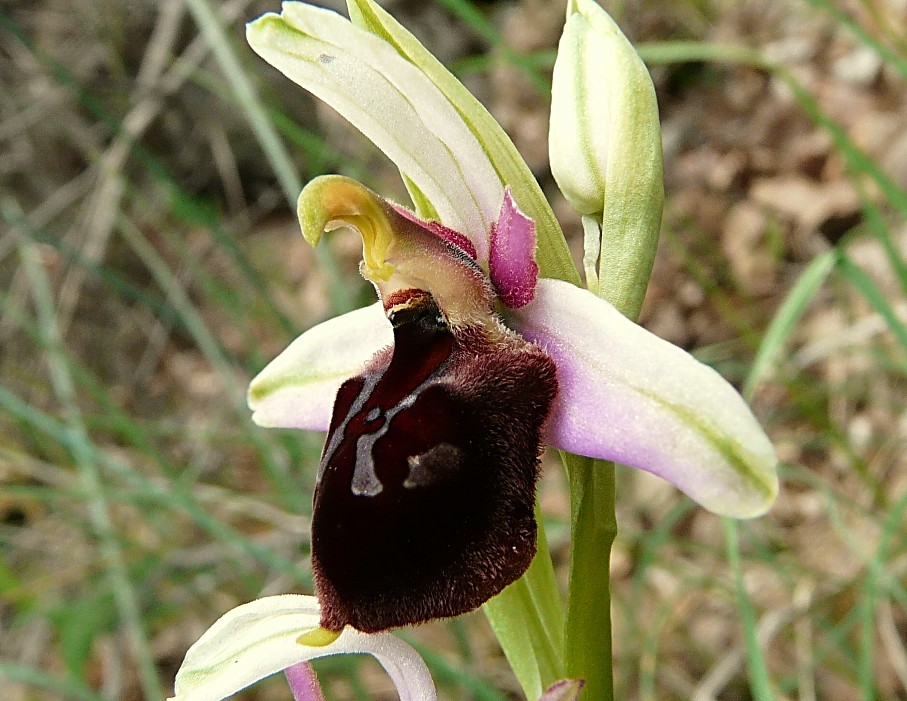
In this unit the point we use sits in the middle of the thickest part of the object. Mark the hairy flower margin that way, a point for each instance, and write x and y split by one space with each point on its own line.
469 258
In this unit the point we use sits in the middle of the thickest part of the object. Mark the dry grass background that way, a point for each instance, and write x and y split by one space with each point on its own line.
150 265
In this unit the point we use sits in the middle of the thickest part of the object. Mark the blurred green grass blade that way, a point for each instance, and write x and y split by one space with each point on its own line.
125 596
470 15
112 417
876 298
79 621
118 283
210 25
877 225
30 676
9 580
211 349
866 659
858 161
787 317
760 684
894 526
876 579
181 204
667 52
686 51
889 56
174 495
651 542
483 63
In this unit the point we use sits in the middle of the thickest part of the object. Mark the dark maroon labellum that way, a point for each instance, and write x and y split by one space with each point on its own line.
424 504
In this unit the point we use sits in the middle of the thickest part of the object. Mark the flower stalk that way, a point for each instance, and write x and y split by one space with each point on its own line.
593 527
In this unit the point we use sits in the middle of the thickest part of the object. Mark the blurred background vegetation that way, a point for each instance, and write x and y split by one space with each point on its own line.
150 265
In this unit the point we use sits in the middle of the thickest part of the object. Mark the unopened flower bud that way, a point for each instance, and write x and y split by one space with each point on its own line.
605 147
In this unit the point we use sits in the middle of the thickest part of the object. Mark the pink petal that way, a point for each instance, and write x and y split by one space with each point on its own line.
512 259
626 395
438 229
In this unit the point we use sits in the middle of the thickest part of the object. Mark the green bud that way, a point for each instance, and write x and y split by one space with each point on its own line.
605 150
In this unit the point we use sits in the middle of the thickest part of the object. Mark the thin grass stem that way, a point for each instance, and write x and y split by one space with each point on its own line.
67 689
263 128
127 602
759 680
786 319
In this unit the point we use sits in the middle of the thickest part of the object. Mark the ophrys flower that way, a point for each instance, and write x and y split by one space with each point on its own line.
440 394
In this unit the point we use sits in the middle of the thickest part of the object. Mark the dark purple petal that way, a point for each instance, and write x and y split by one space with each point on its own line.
512 261
303 682
424 504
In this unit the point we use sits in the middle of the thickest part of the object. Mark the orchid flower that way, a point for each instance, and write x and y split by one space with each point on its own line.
439 398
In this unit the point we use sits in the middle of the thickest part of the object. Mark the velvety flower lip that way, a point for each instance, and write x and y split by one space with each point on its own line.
432 452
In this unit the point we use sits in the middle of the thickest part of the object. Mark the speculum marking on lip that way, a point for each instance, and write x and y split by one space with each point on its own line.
433 465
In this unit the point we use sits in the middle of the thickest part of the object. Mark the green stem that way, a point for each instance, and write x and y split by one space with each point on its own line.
593 526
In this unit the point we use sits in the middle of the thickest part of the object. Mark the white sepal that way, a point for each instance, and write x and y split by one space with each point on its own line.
392 103
297 389
261 638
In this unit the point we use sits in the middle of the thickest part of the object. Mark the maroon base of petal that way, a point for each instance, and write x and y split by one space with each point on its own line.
424 507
